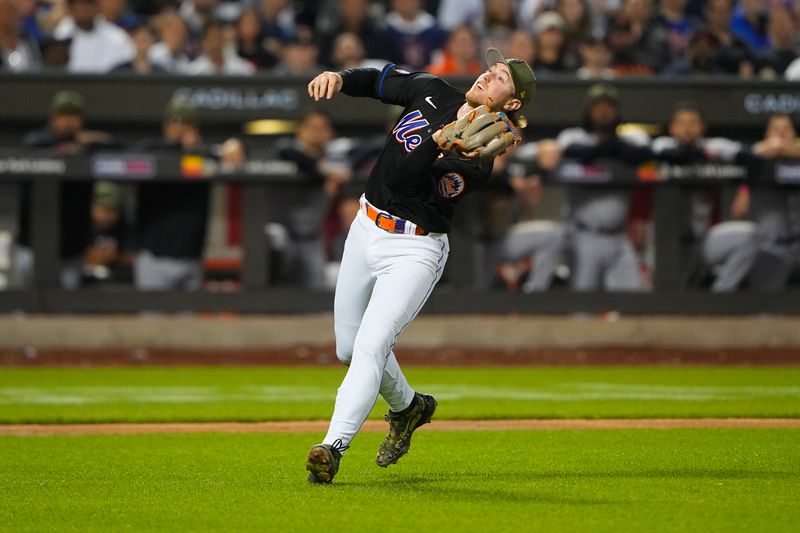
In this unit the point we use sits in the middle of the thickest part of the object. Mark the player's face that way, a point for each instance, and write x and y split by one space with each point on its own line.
686 127
603 113
781 128
495 84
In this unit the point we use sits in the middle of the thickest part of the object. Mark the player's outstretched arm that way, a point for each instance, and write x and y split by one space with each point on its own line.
325 85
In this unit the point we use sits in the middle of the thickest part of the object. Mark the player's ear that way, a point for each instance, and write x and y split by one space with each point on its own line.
512 105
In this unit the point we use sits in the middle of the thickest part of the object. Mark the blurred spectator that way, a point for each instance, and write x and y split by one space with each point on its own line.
460 55
55 53
549 44
348 52
169 53
97 45
455 13
65 134
679 27
250 42
638 45
143 39
196 13
728 248
604 257
29 13
300 56
278 21
118 13
529 11
596 60
499 20
171 217
749 23
353 17
414 33
217 57
301 211
776 211
578 27
732 55
699 57
521 45
773 62
18 52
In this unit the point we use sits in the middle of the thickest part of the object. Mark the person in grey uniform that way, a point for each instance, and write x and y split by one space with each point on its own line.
603 256
540 241
300 211
728 248
775 209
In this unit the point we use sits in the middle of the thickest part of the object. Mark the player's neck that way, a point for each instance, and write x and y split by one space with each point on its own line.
464 109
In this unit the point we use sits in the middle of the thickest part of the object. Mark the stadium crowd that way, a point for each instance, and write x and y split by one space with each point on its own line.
584 38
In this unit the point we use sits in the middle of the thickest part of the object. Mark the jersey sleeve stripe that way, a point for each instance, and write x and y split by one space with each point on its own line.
383 77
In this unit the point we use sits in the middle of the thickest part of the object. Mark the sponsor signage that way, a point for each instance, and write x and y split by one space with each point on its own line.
39 166
110 166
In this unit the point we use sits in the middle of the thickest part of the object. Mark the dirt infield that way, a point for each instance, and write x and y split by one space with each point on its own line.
380 426
316 355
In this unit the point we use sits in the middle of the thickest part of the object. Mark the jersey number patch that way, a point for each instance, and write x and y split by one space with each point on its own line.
404 131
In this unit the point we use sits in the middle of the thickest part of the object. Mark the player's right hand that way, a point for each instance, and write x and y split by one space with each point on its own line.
325 85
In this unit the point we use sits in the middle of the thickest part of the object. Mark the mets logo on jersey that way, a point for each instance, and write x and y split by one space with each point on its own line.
450 185
404 131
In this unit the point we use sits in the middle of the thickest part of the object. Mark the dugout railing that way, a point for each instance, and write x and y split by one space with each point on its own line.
46 172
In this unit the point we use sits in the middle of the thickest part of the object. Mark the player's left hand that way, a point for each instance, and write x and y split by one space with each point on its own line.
325 85
479 134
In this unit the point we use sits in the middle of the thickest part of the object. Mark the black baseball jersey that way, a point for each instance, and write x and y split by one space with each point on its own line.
412 178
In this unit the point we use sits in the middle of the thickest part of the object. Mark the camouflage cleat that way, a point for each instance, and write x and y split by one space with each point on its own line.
323 461
398 441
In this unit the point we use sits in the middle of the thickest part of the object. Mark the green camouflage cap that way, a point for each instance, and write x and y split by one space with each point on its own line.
602 90
67 102
521 74
180 111
106 194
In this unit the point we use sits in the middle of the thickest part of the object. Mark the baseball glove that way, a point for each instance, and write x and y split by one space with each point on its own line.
480 133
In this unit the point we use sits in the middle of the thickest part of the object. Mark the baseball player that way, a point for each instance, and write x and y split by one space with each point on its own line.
604 257
440 149
729 247
776 210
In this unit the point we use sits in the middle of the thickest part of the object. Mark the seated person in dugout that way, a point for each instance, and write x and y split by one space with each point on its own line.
775 209
171 217
725 248
533 247
603 255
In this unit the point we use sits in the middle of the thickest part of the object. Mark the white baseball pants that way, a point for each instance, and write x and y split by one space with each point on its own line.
384 280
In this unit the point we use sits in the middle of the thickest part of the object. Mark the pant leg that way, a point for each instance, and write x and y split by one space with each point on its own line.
623 272
589 256
311 262
151 273
353 290
190 274
543 241
406 269
772 268
733 246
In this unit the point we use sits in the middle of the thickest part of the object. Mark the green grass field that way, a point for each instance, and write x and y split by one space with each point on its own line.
564 480
245 394
632 480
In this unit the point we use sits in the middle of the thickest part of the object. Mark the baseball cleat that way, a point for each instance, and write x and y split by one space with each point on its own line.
323 461
401 427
